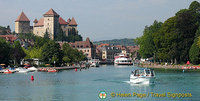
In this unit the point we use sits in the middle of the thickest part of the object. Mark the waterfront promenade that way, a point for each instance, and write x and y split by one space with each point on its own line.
174 67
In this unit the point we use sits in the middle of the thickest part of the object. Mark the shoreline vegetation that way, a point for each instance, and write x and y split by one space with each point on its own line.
176 40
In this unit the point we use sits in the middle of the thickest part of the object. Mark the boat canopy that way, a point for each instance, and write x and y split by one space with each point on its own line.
139 72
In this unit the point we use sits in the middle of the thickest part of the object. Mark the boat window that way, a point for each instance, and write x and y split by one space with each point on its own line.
147 71
152 73
136 73
141 72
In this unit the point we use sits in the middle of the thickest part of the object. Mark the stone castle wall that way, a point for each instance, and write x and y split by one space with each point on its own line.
22 27
39 31
65 29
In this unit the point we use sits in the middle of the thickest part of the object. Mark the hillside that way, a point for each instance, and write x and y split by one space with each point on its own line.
125 41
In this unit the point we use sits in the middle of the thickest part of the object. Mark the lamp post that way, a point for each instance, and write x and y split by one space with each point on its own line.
54 63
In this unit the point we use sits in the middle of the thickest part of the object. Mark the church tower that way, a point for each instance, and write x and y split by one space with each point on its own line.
51 23
22 24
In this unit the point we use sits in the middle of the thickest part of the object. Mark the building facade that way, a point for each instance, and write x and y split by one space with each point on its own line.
107 53
86 47
50 23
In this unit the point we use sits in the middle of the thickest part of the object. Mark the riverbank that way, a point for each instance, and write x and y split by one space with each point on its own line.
170 67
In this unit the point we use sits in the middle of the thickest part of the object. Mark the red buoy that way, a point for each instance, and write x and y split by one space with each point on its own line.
76 69
32 78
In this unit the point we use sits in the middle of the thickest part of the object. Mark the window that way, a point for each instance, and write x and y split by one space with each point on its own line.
48 19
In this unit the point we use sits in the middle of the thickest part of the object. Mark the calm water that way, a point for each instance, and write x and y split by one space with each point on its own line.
85 85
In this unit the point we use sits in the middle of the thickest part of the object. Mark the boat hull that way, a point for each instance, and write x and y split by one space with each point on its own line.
141 79
123 63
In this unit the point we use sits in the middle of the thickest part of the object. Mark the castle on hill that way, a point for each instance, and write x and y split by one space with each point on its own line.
50 23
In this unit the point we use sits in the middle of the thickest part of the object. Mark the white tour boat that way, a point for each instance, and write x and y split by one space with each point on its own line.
142 76
122 59
94 62
32 69
22 70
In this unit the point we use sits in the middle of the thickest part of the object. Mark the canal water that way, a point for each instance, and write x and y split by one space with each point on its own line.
87 84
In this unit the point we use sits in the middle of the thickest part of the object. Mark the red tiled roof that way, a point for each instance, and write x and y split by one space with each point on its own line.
82 44
51 12
40 22
101 45
62 21
73 22
10 38
22 17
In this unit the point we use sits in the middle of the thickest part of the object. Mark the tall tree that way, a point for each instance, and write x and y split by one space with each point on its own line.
186 26
194 52
61 36
51 52
46 35
194 5
71 55
146 42
165 40
5 51
17 53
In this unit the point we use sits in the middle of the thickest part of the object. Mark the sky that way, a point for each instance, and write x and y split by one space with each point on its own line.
97 19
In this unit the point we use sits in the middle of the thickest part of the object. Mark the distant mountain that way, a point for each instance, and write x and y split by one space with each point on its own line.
125 41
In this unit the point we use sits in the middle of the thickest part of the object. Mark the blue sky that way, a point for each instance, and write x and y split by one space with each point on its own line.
97 19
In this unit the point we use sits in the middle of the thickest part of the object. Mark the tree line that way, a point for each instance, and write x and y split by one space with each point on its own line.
176 40
44 49
125 42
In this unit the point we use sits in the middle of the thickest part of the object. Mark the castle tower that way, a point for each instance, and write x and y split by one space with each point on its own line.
35 21
22 24
51 23
72 26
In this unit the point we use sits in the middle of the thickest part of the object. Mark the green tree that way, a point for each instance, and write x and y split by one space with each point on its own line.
194 5
39 42
51 52
71 55
17 53
165 40
194 53
146 42
46 35
73 35
5 51
187 24
33 53
73 38
61 36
